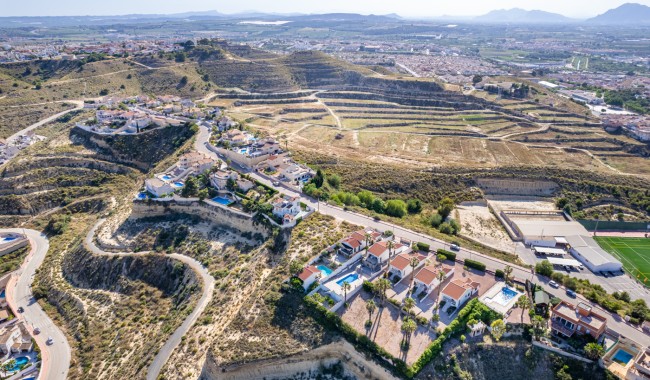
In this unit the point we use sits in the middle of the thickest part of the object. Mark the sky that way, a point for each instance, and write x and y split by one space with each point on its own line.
406 8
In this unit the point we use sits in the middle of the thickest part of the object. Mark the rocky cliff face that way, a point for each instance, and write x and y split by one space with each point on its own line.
120 274
142 150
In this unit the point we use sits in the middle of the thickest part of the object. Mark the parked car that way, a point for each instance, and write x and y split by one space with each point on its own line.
21 309
49 341
276 183
37 331
553 284
571 293
454 247
581 267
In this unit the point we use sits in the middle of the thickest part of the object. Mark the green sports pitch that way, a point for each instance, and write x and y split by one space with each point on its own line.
634 253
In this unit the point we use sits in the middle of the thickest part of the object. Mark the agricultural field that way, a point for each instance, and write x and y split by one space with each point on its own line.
633 253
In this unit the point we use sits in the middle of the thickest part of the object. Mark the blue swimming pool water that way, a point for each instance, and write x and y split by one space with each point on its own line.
142 195
7 239
166 177
504 296
622 357
324 270
350 278
179 184
222 200
20 361
2 294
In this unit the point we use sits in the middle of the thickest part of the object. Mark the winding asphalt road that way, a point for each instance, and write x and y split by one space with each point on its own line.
208 289
55 357
614 322
79 104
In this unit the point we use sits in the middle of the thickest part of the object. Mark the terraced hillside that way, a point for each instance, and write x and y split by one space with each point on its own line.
116 311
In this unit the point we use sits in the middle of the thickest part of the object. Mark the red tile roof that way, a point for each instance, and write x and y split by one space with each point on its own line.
308 272
458 287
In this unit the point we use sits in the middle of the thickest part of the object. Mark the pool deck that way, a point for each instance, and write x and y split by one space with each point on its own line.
492 292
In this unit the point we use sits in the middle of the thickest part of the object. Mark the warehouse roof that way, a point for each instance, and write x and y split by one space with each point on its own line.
587 247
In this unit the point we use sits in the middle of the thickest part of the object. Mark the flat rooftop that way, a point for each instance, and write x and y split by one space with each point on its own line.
534 228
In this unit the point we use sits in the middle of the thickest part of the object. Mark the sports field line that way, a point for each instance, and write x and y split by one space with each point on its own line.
622 257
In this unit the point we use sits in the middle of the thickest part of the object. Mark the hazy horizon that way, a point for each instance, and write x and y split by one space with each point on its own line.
405 8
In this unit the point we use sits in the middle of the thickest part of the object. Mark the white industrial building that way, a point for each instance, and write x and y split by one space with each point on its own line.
585 249
544 235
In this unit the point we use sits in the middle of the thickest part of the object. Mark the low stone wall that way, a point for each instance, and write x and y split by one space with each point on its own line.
237 158
221 215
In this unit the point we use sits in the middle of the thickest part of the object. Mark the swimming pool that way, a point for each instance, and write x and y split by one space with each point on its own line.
142 195
7 239
166 177
622 357
20 361
2 294
350 278
324 270
178 184
504 296
222 200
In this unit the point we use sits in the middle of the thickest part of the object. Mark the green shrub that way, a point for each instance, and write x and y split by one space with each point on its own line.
475 265
396 208
441 257
450 255
368 286
499 273
423 246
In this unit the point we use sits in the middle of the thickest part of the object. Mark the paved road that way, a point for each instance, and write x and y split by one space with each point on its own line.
520 273
56 358
208 289
79 104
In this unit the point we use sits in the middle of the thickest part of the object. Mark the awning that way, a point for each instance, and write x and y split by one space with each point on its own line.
569 262
550 251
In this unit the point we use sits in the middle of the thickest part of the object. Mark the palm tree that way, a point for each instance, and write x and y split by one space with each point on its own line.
413 263
382 285
594 350
441 277
524 303
346 286
371 307
409 304
367 236
507 272
408 327
390 246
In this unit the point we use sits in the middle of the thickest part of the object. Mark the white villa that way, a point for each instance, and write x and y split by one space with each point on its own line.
286 206
426 280
196 162
158 187
357 241
378 253
400 265
235 137
295 172
15 338
309 275
459 291
219 179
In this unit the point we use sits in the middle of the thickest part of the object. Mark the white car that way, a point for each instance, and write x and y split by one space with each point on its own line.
553 284
49 341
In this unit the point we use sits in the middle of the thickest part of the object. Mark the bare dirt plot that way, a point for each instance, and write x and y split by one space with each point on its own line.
480 224
386 329
511 202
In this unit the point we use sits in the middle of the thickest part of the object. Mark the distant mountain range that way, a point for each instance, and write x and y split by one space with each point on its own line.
628 14
518 15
